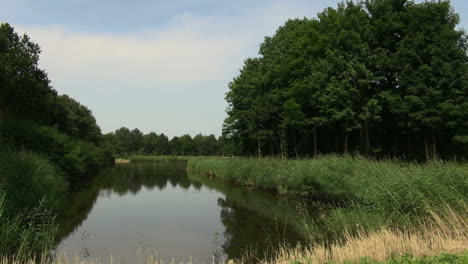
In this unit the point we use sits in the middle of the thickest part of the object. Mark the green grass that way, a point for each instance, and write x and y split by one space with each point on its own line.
353 193
28 181
31 191
390 185
408 259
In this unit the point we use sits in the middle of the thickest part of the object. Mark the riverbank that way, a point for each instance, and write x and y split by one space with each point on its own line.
390 184
142 158
406 259
369 224
368 205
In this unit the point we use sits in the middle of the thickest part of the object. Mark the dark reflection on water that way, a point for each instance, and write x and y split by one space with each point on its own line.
158 207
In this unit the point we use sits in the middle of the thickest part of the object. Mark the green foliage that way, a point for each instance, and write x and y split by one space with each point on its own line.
31 189
388 185
76 120
75 157
382 78
124 142
24 88
28 180
48 142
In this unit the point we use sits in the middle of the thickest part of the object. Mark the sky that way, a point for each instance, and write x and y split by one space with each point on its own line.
160 66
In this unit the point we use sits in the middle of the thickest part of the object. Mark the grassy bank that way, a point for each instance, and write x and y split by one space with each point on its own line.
461 258
389 185
443 234
358 196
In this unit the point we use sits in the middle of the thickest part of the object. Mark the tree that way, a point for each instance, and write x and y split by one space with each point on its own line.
365 74
24 88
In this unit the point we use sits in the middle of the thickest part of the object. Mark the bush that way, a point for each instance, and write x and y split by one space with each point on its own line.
76 158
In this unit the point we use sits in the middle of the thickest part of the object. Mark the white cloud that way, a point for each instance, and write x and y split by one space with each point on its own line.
186 53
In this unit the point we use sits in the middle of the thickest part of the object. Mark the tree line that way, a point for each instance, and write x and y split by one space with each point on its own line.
124 142
384 78
35 118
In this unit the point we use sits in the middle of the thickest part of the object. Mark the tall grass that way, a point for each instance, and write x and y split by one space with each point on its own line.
445 233
28 180
31 189
354 194
390 185
26 234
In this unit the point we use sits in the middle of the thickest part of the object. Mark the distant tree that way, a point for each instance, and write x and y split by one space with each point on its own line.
123 141
136 141
150 144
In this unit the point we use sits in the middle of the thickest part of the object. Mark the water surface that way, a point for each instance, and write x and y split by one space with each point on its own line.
160 208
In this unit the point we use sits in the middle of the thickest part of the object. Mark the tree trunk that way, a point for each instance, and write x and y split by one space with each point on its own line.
283 145
259 149
295 146
281 149
315 141
426 148
346 143
408 146
367 139
434 146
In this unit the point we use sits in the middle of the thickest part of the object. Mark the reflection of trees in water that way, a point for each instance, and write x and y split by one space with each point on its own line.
121 179
250 233
255 221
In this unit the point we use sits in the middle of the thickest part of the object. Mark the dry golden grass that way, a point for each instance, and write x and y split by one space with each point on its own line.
448 233
120 161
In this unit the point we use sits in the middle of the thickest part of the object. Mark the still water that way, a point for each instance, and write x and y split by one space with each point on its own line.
162 209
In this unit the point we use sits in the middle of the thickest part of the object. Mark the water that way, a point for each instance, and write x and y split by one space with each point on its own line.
159 208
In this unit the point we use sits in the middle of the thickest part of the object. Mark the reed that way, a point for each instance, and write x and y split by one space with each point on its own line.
446 233
31 190
389 184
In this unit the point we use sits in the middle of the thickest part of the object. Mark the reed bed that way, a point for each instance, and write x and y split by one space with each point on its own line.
446 233
390 185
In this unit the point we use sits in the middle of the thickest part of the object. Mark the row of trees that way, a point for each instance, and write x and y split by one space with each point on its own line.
133 142
378 77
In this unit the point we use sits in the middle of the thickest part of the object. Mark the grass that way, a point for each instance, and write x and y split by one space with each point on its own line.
379 210
27 180
445 234
445 258
356 196
31 190
390 185
27 234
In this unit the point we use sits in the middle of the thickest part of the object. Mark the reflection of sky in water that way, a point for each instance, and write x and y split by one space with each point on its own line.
174 222
157 208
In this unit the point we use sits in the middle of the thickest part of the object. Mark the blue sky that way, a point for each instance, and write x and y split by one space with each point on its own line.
161 66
